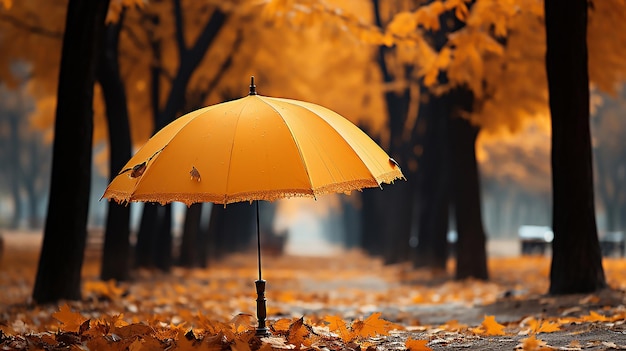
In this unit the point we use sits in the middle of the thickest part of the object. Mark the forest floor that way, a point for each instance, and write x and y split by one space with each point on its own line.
347 301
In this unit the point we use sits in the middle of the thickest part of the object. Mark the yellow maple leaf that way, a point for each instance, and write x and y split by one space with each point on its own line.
71 320
491 327
417 345
372 326
338 325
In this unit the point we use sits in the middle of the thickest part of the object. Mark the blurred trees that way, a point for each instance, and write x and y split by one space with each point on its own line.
23 153
393 88
610 159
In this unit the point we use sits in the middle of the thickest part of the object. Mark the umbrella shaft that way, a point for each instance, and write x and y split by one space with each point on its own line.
258 238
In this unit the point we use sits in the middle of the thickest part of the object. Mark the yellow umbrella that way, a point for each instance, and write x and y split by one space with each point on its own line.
253 148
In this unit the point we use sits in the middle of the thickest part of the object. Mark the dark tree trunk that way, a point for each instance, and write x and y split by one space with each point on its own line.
162 255
190 248
371 223
214 236
576 258
471 255
432 244
144 247
60 263
231 229
116 251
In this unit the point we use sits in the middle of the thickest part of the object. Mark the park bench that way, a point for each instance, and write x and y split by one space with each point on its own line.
535 239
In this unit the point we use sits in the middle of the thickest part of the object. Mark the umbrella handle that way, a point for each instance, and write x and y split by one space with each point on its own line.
261 310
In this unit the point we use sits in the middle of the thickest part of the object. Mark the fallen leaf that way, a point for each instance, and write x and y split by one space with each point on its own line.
242 322
417 345
594 317
71 320
240 345
491 327
297 333
281 325
337 325
531 343
372 326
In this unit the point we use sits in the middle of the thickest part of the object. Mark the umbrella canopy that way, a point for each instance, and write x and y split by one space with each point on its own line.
253 148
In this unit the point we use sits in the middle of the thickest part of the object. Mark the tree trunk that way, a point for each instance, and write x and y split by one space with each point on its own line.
387 231
145 236
14 169
432 244
59 271
162 255
471 254
576 258
190 248
116 251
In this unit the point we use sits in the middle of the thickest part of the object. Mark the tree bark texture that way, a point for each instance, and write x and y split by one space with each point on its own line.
432 244
190 248
471 252
116 251
59 271
576 258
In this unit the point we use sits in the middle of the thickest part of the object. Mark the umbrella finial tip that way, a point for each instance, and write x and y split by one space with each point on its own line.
252 86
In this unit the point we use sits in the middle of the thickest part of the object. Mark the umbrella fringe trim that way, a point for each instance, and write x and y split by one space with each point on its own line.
272 195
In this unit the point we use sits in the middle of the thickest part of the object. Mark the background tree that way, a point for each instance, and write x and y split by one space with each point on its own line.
58 274
576 257
116 250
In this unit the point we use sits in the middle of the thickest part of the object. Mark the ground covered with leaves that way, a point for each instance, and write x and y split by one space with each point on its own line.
346 302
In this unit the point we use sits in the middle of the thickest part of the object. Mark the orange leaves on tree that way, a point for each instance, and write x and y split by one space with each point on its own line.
489 326
428 16
417 345
72 321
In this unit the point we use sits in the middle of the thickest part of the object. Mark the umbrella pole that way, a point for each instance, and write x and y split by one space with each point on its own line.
261 310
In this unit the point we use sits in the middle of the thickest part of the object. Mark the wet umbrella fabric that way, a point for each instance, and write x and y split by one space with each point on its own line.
253 148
